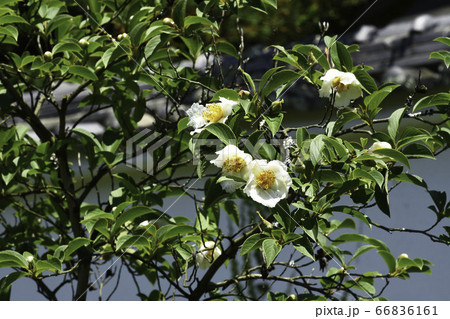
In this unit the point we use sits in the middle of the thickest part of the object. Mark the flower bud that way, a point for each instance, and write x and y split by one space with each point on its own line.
277 106
122 36
48 56
292 297
30 259
403 256
243 94
379 145
168 21
83 42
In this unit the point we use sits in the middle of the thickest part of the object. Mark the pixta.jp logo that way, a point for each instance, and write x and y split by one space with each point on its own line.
141 151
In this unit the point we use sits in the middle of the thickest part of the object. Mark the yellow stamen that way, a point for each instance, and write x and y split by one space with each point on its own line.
234 164
214 113
266 179
336 83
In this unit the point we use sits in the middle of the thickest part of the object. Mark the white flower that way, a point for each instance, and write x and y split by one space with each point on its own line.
288 142
200 116
207 254
378 146
30 259
268 182
343 84
144 224
403 256
261 123
233 162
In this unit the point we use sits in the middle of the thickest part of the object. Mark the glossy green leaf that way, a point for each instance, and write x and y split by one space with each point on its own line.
278 79
227 48
182 124
389 259
271 249
251 243
432 100
130 215
179 12
83 72
52 264
417 150
344 57
374 100
232 209
361 250
226 93
315 149
301 136
274 122
10 258
367 82
127 241
223 132
304 246
66 47
76 244
6 282
394 154
394 122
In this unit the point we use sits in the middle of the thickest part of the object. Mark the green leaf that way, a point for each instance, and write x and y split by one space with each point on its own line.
190 20
389 259
179 12
232 209
83 72
445 40
432 100
227 48
182 124
413 179
75 244
382 200
329 176
226 93
316 149
12 19
271 3
223 132
394 122
6 282
66 47
274 123
304 246
249 81
130 215
271 249
178 230
52 264
373 100
302 135
251 243
394 154
344 57
11 258
10 30
151 46
279 78
367 82
418 150
128 241
8 2
361 250
442 55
